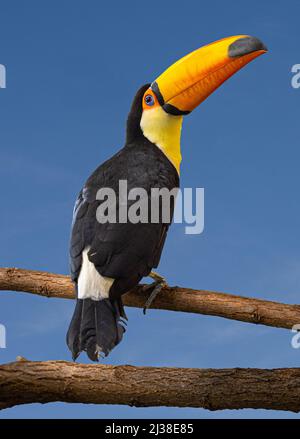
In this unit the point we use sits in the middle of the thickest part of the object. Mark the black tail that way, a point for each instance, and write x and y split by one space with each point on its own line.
96 327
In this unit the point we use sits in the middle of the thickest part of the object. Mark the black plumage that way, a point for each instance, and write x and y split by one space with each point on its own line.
123 251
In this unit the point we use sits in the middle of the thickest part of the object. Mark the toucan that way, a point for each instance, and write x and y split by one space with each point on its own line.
108 258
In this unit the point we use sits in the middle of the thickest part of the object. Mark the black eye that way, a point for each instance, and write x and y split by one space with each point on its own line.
149 100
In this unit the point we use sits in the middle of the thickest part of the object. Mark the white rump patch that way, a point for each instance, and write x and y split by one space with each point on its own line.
91 285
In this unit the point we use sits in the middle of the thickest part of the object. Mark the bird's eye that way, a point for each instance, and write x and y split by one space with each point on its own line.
149 99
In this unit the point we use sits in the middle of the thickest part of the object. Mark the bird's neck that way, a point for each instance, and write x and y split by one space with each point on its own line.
164 131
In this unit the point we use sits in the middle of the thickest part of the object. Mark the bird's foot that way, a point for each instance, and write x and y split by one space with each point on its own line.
156 286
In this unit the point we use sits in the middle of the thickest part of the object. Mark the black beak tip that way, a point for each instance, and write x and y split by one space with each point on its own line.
244 46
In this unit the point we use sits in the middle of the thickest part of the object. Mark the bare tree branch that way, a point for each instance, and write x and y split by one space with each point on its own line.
171 298
25 382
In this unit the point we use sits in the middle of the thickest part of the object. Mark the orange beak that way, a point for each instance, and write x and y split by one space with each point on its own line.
188 82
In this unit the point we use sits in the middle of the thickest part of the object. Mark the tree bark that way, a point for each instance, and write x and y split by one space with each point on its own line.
171 298
25 382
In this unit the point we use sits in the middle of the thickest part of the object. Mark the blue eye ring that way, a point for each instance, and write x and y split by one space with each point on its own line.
149 100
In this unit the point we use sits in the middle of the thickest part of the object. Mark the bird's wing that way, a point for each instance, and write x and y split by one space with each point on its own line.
77 241
123 251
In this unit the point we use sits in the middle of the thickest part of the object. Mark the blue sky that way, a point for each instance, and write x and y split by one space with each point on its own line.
73 68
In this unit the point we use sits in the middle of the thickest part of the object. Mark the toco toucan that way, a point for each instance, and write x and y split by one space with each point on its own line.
107 259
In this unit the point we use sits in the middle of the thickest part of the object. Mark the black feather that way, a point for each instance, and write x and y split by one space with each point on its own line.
125 252
96 327
73 341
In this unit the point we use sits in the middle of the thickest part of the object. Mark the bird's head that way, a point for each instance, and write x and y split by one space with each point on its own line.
159 107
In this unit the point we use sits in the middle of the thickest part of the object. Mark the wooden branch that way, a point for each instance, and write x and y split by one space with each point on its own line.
29 382
25 382
171 298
